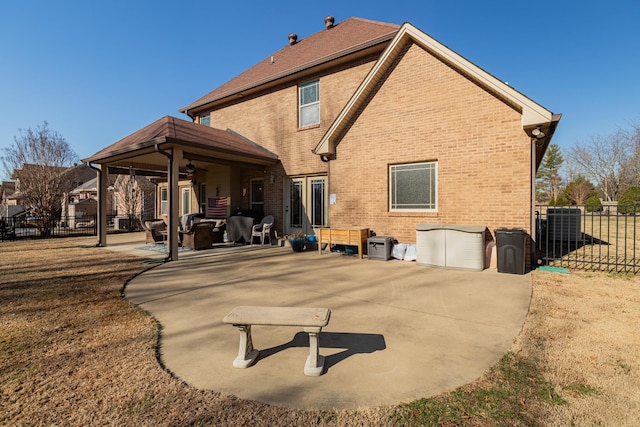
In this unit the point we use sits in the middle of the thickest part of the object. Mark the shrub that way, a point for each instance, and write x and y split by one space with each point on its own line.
560 201
629 202
593 204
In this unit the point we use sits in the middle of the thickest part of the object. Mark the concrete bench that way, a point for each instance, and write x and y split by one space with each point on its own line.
311 319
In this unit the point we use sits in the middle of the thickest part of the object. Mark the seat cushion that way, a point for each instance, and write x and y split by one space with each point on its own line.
155 225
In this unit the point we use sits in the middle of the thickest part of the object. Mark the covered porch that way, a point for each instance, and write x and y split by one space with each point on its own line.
193 161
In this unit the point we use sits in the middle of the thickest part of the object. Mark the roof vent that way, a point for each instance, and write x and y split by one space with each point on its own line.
329 21
293 39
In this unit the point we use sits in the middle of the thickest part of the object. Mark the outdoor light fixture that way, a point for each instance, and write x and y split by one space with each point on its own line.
190 168
537 133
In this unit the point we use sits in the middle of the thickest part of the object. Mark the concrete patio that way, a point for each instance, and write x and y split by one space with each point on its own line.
398 331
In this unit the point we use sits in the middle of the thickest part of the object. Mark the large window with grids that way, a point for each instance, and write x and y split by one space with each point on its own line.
309 104
413 187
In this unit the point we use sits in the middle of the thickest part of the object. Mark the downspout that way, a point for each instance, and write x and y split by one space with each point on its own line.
102 206
171 229
326 160
532 215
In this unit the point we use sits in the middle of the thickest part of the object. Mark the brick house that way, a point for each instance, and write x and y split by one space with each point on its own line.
360 124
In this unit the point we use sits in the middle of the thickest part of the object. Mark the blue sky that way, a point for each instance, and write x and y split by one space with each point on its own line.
98 71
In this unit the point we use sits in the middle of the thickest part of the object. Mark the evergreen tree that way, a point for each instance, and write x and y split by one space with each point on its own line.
629 202
548 177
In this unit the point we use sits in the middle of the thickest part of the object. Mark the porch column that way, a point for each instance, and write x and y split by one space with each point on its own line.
102 205
174 200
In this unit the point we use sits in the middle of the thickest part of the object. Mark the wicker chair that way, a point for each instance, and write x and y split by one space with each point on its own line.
203 234
154 229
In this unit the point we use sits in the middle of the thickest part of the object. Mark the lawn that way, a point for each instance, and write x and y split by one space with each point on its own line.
73 352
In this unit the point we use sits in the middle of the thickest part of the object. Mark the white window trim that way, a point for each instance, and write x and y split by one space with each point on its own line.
164 204
435 203
301 106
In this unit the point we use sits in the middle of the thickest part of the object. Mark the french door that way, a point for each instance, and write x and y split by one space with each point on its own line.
306 203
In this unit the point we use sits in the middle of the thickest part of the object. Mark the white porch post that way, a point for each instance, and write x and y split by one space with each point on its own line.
102 205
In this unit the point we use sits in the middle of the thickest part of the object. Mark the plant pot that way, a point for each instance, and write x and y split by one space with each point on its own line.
297 244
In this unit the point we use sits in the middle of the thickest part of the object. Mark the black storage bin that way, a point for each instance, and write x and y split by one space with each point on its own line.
511 246
379 247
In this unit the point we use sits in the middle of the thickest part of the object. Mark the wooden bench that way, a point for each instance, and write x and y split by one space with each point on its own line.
311 319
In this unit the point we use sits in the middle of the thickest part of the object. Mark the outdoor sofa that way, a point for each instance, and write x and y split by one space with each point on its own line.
203 234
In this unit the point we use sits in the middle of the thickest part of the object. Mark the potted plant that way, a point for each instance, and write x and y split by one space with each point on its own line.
297 242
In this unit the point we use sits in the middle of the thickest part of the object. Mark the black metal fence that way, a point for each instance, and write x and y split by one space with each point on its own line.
13 228
604 240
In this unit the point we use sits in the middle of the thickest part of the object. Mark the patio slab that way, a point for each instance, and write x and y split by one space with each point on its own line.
398 331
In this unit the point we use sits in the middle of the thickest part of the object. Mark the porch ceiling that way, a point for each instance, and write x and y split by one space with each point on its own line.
198 143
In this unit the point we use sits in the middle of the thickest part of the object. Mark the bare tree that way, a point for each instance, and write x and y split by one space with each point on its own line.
130 191
37 160
608 161
632 167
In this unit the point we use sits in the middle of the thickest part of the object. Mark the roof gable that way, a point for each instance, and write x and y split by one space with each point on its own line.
533 114
351 35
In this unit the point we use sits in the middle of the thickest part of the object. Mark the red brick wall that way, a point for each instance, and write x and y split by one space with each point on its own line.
423 111
271 120
426 111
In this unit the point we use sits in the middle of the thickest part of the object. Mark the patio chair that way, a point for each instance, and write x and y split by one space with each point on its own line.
262 230
154 230
199 236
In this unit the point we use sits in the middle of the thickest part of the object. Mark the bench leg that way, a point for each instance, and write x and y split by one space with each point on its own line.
246 353
315 363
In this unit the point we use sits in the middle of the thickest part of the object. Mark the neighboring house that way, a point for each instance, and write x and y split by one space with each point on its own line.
362 124
13 200
10 205
127 196
132 196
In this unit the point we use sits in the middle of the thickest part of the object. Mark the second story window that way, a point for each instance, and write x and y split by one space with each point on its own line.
309 104
205 119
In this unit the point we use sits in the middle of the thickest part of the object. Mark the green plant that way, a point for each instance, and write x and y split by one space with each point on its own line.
593 204
629 202
560 201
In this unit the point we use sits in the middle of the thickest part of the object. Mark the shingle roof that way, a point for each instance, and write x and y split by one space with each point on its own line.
172 130
346 37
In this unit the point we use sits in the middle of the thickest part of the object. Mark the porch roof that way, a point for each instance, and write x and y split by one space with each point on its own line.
198 142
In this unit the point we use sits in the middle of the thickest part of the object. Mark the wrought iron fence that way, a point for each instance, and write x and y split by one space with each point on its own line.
602 240
12 228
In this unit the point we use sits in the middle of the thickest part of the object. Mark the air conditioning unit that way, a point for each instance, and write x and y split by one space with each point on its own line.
564 224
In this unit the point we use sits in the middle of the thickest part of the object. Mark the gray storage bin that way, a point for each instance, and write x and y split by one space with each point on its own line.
379 247
451 246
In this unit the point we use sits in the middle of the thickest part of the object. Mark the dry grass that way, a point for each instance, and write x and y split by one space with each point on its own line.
72 352
583 330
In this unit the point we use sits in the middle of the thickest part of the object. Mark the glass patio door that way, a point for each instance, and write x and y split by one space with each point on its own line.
306 204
